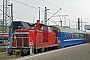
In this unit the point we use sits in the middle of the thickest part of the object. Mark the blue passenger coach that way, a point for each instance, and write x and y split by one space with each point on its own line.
68 36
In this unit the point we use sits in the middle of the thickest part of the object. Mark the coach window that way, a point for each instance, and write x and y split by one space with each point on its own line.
62 36
67 36
80 36
83 36
77 36
71 36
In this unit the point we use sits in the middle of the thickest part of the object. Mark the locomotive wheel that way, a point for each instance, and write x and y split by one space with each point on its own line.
17 53
58 44
25 51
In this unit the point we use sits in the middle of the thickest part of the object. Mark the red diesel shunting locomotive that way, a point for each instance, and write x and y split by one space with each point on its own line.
38 37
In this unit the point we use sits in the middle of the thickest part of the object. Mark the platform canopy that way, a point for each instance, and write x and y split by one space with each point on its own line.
87 27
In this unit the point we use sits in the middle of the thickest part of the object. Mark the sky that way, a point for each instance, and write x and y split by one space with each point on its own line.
73 8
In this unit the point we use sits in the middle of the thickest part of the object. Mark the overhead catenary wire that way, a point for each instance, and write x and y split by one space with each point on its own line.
30 6
40 4
62 10
35 3
22 14
70 14
71 20
56 7
43 6
50 3
25 4
59 7
54 14
1 10
15 12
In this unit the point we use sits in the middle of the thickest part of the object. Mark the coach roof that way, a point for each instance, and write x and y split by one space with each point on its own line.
63 29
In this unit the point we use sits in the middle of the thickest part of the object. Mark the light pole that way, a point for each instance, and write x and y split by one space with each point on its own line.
45 17
39 13
11 27
3 21
69 22
11 17
78 23
33 19
60 18
61 23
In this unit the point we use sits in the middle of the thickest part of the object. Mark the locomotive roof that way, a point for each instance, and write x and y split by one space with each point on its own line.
63 29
